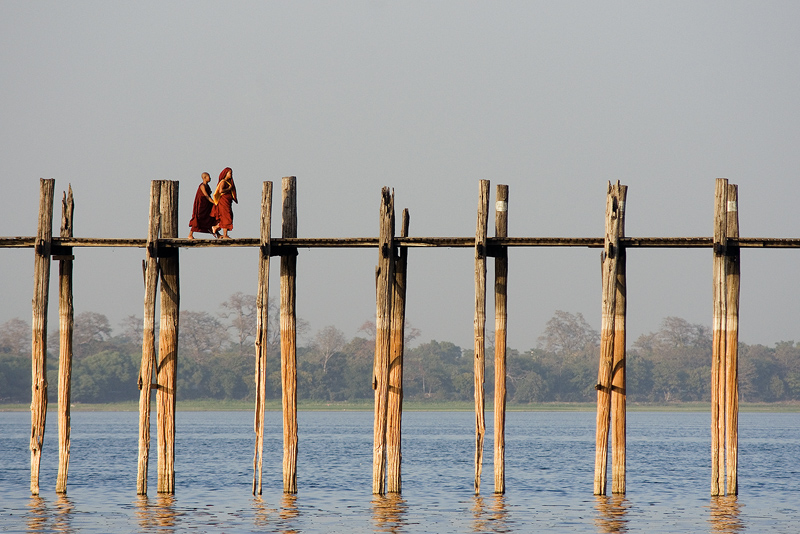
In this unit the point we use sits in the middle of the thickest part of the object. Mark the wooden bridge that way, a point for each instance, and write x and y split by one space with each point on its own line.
158 368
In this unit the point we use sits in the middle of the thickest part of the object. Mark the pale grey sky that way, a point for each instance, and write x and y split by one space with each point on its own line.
552 98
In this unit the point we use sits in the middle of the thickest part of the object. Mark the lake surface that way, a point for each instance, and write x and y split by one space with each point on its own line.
549 474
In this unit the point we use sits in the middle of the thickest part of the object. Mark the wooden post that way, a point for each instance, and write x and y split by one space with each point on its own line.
732 344
500 321
150 267
618 392
394 454
262 322
480 327
289 338
66 323
610 257
383 324
41 286
718 340
168 340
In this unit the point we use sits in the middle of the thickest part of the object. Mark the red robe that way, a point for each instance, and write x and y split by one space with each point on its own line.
225 195
202 220
223 211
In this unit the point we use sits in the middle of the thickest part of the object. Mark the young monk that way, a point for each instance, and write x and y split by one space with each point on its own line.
224 197
202 221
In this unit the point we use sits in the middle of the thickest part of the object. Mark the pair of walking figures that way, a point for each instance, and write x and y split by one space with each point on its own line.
212 212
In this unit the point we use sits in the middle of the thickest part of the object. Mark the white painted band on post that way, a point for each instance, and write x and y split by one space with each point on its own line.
501 205
733 205
621 207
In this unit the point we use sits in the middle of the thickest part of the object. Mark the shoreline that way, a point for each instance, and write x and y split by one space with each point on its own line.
410 406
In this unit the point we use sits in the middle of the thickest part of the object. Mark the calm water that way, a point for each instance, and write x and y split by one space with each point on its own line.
549 468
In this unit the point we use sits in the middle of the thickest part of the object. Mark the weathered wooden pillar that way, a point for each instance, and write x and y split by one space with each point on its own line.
261 342
289 337
41 286
394 454
480 327
610 257
383 320
150 271
732 343
618 392
719 339
66 322
168 340
500 321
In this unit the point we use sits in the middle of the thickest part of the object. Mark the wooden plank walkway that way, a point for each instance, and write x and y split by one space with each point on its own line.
372 242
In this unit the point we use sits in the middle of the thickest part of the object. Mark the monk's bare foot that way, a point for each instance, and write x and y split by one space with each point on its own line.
226 237
190 236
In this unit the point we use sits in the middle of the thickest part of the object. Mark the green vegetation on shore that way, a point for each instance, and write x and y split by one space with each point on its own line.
668 369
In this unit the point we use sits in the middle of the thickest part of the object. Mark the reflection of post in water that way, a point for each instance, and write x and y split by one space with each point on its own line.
42 518
287 513
724 515
63 515
38 515
388 512
141 511
491 517
261 512
612 513
160 514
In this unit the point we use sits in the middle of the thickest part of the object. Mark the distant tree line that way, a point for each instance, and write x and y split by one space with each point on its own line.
216 361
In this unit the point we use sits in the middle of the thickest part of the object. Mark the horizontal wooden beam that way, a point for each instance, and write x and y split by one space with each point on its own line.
17 242
282 246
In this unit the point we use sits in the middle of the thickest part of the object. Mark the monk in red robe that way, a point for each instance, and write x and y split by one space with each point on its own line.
224 196
202 221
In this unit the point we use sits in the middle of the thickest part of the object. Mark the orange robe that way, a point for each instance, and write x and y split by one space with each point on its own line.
223 211
225 196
